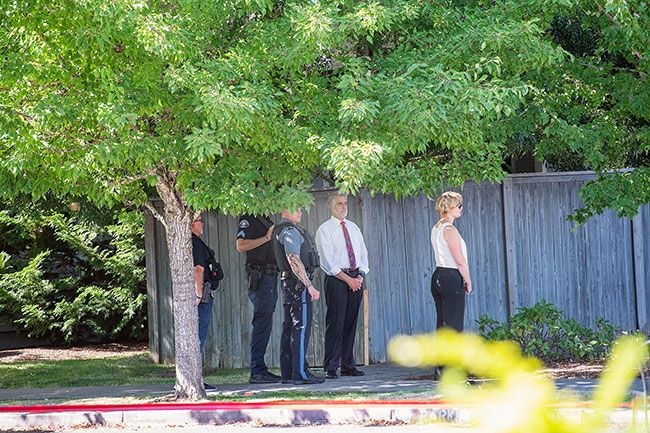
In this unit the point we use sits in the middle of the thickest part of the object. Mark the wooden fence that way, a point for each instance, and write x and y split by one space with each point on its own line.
228 342
521 249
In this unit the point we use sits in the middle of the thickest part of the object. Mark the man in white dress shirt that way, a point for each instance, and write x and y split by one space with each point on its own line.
344 259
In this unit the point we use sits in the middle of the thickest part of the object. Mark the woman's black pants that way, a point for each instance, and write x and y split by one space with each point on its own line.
448 290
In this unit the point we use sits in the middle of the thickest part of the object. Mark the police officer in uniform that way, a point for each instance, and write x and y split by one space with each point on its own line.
207 273
297 258
253 238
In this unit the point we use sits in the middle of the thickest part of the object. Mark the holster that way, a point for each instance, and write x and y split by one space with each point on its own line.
207 293
254 276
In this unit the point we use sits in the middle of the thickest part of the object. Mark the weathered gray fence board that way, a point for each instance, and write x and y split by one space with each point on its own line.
521 249
165 307
641 254
397 265
545 271
153 296
419 265
375 237
482 227
512 266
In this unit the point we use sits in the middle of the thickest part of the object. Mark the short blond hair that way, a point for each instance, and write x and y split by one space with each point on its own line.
447 201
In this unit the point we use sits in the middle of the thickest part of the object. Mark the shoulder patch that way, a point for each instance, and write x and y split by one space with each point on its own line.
243 224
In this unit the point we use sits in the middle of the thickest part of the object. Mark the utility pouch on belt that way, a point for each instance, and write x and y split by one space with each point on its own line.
254 276
207 293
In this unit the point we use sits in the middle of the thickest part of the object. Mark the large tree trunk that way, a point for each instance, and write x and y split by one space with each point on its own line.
178 219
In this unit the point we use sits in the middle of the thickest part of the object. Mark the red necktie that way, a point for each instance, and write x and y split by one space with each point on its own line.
348 246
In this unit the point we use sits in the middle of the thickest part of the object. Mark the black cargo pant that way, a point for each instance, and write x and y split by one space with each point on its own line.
264 297
448 290
296 329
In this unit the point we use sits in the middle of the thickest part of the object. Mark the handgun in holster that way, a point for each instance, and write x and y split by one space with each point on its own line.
254 275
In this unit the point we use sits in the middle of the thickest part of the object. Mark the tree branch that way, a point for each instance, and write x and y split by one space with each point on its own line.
25 116
615 68
170 180
156 214
613 20
130 179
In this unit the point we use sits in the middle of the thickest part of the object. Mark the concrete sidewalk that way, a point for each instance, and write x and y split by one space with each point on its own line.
401 396
379 378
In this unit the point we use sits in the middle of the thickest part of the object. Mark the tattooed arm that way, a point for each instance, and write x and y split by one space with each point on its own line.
299 270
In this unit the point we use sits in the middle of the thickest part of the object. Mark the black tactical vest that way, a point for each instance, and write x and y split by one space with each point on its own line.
262 255
308 252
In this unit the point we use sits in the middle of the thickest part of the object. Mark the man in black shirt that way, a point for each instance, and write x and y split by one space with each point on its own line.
253 237
201 255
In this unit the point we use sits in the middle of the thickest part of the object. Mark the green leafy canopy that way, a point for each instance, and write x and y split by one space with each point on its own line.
237 104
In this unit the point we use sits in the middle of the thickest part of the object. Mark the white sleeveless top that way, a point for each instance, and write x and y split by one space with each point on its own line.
444 259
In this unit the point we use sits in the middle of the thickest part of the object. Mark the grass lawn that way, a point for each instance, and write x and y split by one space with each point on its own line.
139 369
132 370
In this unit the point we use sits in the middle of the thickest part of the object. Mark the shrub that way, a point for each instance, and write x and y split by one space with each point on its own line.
72 276
544 331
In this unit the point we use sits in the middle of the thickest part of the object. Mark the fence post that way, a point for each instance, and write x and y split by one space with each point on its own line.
512 289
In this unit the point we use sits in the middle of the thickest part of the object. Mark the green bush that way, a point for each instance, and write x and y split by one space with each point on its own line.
72 276
545 332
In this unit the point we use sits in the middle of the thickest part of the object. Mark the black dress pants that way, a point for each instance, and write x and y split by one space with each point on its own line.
448 290
296 329
341 324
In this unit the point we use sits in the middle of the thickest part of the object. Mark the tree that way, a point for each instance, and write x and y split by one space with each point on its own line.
236 105
117 101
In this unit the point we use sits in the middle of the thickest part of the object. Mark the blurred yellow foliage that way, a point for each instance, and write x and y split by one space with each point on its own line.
516 398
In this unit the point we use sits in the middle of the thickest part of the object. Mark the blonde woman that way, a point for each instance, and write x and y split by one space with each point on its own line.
450 281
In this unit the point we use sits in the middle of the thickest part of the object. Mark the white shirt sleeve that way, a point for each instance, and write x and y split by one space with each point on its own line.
326 250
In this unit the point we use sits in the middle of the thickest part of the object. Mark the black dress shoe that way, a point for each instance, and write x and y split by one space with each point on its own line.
331 374
275 376
209 387
286 381
311 380
264 378
353 372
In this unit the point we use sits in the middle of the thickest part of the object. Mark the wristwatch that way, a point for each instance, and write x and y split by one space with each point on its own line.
363 274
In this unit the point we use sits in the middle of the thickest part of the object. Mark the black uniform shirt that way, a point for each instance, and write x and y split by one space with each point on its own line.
254 227
200 252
